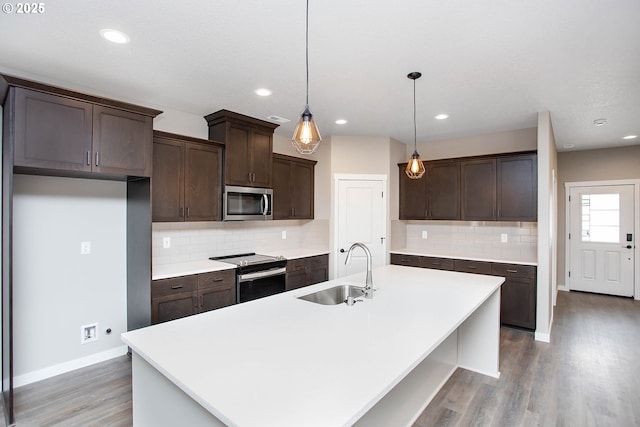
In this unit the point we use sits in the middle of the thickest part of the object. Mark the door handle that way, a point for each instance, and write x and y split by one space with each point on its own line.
628 247
342 251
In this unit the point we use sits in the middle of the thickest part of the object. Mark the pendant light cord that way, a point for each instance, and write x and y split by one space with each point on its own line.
306 42
415 132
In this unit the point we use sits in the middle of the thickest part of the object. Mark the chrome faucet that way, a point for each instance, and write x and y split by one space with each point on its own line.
368 288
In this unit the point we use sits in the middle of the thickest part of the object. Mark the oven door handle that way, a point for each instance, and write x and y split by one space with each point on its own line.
261 274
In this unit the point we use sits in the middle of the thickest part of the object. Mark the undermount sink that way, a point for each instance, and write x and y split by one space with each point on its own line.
335 295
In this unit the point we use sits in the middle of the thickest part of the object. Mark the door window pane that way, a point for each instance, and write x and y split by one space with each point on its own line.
600 218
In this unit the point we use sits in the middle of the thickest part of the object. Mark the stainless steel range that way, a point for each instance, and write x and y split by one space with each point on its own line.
257 275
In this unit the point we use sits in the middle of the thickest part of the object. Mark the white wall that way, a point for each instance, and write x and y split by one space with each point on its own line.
547 226
56 290
491 143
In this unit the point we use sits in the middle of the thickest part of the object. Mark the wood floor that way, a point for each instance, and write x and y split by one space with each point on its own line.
588 376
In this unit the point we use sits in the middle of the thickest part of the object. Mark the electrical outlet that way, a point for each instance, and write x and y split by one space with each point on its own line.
88 333
284 234
166 242
85 248
424 234
504 237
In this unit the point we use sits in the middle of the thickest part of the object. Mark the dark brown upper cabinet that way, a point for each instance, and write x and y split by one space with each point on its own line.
413 196
483 188
186 182
443 188
517 188
434 196
293 187
68 133
248 147
478 190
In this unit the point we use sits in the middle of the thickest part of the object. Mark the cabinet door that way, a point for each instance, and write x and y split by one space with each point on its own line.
173 298
443 183
438 263
122 142
203 166
168 180
281 189
296 279
302 196
171 307
517 188
216 290
413 196
52 132
478 184
261 158
318 274
237 152
518 303
467 266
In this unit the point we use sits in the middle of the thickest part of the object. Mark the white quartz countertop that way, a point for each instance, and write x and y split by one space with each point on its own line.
298 253
186 268
509 259
205 266
281 361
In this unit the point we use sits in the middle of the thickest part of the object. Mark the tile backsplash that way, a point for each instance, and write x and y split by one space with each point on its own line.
502 239
194 241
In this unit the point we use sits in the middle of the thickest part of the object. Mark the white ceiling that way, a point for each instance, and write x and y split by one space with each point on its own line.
490 64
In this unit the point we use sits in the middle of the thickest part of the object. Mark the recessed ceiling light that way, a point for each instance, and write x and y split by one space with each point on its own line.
442 116
630 137
600 122
277 119
263 92
340 121
115 36
569 145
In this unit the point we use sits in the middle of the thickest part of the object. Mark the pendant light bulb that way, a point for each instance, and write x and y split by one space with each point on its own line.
415 168
306 137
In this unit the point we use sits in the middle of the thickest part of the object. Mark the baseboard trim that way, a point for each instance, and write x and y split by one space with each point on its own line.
72 365
542 337
564 288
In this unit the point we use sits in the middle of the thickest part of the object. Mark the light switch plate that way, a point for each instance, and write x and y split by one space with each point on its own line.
504 237
284 234
424 234
85 248
166 242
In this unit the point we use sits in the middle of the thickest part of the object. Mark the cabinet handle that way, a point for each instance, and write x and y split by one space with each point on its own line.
195 301
472 267
218 280
435 263
181 212
88 158
97 158
201 301
177 287
511 271
188 212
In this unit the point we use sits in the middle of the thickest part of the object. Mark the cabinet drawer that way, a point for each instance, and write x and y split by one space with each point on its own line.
296 264
216 278
513 270
477 267
407 260
437 263
318 260
174 285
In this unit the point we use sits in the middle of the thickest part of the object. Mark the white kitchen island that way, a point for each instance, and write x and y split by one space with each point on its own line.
281 361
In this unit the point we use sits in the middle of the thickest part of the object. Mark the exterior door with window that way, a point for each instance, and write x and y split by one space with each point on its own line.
602 239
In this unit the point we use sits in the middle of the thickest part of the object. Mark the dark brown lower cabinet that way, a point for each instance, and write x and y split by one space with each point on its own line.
173 298
183 296
307 271
517 295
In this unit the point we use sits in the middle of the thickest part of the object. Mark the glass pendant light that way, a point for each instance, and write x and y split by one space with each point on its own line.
306 137
415 167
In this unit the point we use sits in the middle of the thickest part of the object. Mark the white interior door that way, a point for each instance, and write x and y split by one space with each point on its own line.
602 248
361 217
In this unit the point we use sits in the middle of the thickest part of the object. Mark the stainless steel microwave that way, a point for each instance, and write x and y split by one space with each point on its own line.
247 203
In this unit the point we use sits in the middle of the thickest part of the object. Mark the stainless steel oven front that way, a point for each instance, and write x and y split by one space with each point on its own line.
257 284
